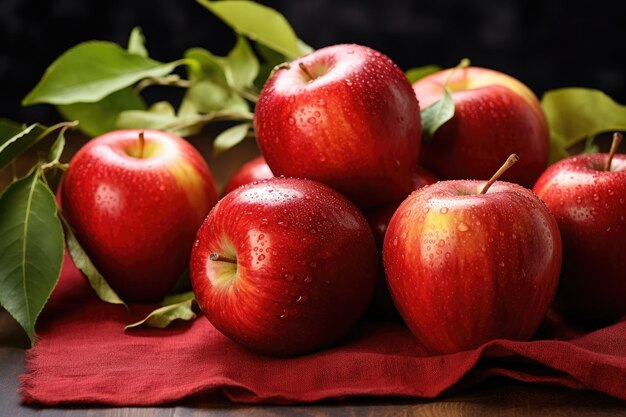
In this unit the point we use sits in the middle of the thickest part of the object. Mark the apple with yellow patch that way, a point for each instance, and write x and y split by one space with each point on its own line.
494 115
135 200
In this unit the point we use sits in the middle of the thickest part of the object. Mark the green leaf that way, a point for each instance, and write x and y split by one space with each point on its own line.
230 137
17 144
207 96
178 298
100 117
203 64
31 249
177 307
260 23
157 117
92 71
84 264
242 65
435 115
57 147
590 146
304 48
574 114
137 42
415 74
8 129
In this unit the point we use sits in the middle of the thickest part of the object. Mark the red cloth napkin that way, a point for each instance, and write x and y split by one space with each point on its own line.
83 355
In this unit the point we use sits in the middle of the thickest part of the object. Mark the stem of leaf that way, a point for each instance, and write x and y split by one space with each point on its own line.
465 62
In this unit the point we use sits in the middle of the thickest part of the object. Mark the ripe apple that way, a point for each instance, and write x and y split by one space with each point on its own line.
495 115
589 204
135 200
382 306
344 115
254 170
284 266
468 262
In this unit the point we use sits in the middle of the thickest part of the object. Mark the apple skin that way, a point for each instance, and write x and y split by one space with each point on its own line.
254 170
136 217
495 116
355 127
465 268
305 272
589 205
382 306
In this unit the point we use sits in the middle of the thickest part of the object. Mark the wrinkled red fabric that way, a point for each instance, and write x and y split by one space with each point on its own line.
83 355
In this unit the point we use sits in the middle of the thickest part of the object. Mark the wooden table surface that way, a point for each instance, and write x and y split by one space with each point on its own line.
494 397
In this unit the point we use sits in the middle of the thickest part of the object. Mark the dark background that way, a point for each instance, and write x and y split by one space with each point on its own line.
546 44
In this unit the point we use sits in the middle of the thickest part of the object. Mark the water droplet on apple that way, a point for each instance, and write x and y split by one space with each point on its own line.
348 82
261 257
284 315
596 197
462 227
308 279
443 210
302 299
312 120
441 242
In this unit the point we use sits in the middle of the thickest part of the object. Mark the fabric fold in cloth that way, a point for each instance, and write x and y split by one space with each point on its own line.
83 355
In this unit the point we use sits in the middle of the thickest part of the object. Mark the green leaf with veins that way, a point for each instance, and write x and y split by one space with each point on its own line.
439 112
8 129
57 147
203 64
101 117
91 71
137 42
242 66
31 249
435 115
208 96
13 146
575 114
260 23
158 116
415 74
84 264
230 137
174 307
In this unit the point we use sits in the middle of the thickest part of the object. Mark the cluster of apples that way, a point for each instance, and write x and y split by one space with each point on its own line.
289 259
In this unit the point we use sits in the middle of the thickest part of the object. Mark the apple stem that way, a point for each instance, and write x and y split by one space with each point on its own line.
512 159
216 257
306 71
617 139
142 144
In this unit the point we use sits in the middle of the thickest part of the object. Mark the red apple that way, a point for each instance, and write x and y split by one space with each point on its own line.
382 306
254 170
344 115
284 266
465 268
589 203
135 206
495 115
